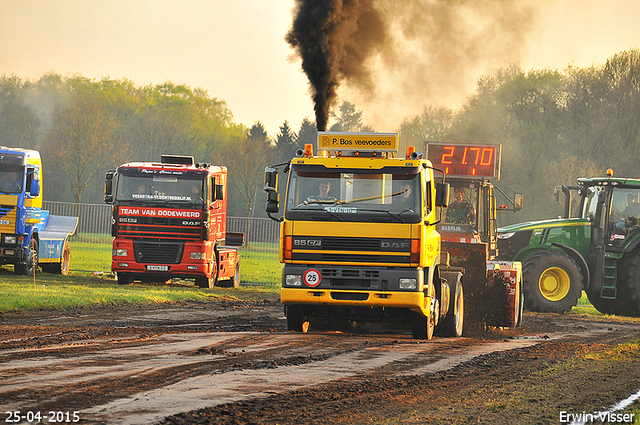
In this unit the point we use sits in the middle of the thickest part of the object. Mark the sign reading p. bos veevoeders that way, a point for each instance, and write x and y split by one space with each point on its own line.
379 142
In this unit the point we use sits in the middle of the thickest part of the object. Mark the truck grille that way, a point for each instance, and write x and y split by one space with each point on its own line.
158 252
352 250
351 244
370 274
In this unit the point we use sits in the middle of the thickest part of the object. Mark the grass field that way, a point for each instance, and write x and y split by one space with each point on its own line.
90 282
19 293
259 264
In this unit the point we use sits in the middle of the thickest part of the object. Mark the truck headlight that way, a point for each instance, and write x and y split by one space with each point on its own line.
505 235
406 283
9 239
197 255
293 280
120 252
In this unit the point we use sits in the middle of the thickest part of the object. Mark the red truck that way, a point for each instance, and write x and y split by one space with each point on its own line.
170 221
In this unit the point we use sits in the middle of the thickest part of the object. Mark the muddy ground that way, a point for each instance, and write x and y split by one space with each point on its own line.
235 363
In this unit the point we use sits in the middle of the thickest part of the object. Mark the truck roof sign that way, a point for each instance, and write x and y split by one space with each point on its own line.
363 142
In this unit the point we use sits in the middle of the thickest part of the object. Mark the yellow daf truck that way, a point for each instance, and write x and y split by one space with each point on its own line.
358 238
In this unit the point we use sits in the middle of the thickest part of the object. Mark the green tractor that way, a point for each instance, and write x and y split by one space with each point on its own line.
598 251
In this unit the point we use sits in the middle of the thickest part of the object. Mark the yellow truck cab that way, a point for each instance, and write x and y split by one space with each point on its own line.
30 236
358 238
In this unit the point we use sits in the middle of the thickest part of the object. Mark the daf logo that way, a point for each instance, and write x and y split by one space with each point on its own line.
395 245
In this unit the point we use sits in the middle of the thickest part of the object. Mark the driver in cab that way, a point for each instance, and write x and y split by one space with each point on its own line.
460 211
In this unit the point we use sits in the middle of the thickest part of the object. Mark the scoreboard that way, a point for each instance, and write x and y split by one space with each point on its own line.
465 160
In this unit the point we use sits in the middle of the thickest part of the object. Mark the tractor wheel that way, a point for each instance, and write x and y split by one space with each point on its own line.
297 320
31 261
452 324
629 286
552 282
423 327
607 306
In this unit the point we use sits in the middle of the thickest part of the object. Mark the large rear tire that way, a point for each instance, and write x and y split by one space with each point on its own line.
629 286
607 306
552 282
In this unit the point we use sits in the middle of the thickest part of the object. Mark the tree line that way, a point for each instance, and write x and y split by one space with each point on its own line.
553 125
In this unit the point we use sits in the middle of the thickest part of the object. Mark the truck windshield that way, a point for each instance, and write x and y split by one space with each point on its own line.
624 214
11 178
152 189
354 196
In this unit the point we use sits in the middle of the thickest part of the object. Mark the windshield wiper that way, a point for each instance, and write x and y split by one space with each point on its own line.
396 216
323 210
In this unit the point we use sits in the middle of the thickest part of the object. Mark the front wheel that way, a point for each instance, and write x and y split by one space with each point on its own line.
205 282
234 281
552 282
297 320
423 327
28 267
123 278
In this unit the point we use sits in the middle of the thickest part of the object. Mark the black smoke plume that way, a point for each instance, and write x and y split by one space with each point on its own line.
334 39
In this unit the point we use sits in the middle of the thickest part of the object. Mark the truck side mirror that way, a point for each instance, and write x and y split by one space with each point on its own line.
35 188
273 202
517 201
108 186
270 179
442 194
33 184
218 192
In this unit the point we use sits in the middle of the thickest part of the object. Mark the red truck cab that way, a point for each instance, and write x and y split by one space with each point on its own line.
170 221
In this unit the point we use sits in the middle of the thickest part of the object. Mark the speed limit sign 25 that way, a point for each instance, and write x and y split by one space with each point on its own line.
312 277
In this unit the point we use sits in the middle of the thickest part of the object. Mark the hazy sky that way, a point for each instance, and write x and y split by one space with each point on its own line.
235 49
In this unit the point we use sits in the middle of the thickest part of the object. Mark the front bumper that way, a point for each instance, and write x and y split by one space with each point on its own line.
351 286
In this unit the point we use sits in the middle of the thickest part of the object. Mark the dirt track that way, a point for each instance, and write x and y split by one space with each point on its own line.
223 362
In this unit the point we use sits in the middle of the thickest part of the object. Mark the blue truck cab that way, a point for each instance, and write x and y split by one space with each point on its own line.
29 236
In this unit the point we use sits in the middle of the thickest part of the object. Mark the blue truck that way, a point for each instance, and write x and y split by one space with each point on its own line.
29 236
